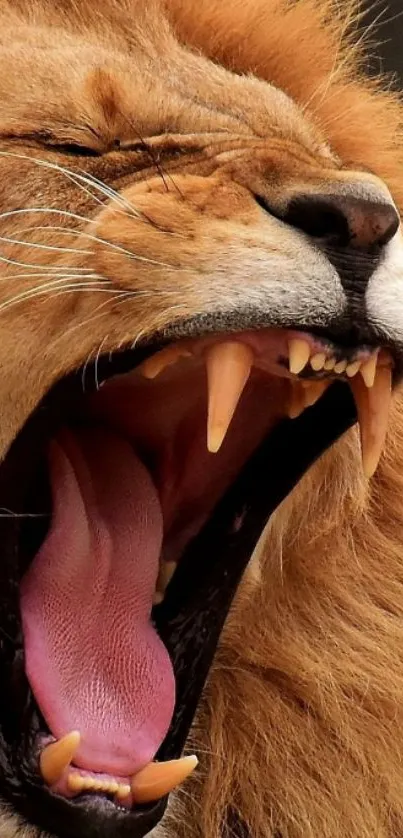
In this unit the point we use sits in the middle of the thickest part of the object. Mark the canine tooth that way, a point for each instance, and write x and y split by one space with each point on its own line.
122 791
318 361
228 369
57 756
368 370
298 355
159 778
373 412
329 364
296 404
166 572
340 367
153 366
158 597
352 369
314 392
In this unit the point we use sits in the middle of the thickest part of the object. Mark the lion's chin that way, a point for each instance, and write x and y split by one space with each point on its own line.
155 472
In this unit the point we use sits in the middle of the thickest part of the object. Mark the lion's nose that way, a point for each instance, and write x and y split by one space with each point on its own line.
361 217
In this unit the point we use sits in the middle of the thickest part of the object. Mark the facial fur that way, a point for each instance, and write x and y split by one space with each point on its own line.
148 160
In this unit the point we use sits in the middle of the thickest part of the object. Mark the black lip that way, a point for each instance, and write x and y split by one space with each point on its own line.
190 619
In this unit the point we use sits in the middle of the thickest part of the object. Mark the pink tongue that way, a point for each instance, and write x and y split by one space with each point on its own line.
93 659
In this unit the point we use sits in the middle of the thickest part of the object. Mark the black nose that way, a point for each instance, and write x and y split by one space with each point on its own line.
360 222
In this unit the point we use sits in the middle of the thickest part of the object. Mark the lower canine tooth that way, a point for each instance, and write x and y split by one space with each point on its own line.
159 778
228 369
57 756
296 404
314 392
167 570
373 414
153 366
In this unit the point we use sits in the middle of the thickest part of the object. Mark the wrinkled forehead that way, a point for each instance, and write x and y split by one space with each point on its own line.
107 81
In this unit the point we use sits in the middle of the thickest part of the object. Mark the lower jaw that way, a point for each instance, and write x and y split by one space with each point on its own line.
205 582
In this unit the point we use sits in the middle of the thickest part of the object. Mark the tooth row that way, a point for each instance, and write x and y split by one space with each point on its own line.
229 365
300 354
151 783
78 783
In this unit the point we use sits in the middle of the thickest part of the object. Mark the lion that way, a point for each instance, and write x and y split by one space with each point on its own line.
201 301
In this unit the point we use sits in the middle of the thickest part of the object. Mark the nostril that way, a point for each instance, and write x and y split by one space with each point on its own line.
319 218
344 220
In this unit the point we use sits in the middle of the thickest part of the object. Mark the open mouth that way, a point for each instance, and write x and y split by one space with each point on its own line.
141 486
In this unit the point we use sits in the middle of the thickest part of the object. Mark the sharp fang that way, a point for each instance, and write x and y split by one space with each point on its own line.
158 597
329 364
153 366
297 400
314 391
318 361
55 758
368 370
299 352
228 369
159 778
352 369
166 572
373 413
340 367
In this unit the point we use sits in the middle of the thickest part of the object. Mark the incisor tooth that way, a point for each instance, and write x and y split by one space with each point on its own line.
113 787
368 370
228 369
329 364
340 367
57 756
318 361
373 413
122 791
159 778
352 369
153 366
298 352
75 782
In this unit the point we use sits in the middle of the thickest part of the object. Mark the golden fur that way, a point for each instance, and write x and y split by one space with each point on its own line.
300 729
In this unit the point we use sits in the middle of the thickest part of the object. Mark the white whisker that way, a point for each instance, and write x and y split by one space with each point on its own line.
97 361
46 246
42 290
78 179
133 256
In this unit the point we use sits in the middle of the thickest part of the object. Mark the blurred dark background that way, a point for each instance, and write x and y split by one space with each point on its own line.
387 17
